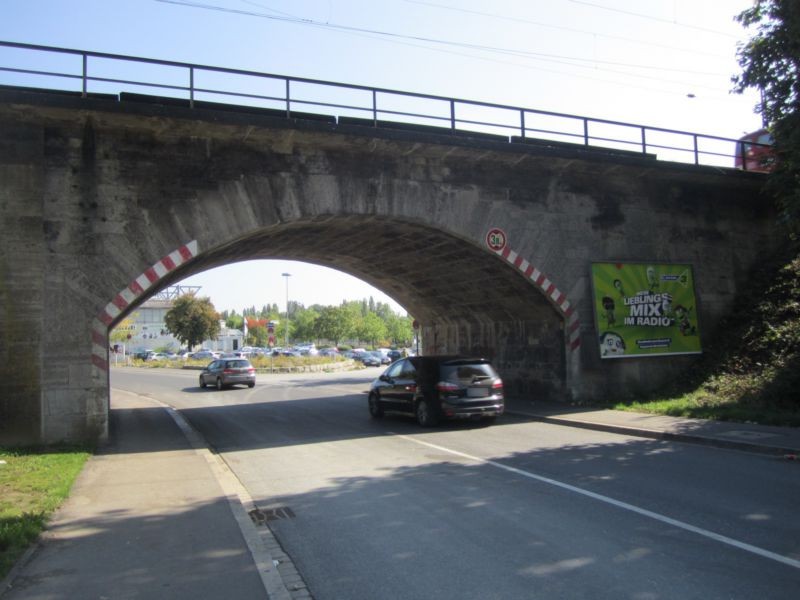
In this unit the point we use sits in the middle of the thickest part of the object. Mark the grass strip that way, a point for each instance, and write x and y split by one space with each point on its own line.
33 483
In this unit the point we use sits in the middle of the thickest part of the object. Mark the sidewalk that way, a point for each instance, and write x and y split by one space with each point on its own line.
781 441
151 516
146 518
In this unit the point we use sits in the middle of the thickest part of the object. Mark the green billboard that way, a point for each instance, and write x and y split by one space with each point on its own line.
645 309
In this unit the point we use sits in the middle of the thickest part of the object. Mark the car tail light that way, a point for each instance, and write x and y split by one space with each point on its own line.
411 388
447 387
497 386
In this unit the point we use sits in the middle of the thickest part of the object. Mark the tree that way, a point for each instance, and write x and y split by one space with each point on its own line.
304 324
257 336
192 320
399 329
233 321
335 323
371 329
770 62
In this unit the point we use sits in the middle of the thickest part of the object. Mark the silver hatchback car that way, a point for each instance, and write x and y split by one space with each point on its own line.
226 372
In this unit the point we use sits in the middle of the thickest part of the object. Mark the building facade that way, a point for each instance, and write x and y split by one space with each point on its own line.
147 330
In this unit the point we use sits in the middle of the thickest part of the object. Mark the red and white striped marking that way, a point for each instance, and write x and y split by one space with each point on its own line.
550 290
137 288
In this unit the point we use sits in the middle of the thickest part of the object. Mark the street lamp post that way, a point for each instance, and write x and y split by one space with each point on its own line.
287 275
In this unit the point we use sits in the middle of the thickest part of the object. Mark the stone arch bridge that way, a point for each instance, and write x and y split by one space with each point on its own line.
106 200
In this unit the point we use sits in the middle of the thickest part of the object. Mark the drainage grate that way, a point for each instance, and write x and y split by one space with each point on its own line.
262 517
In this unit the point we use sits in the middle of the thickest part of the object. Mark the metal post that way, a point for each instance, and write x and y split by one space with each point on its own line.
644 141
696 151
585 132
453 115
191 87
742 151
288 102
522 122
374 108
85 74
287 275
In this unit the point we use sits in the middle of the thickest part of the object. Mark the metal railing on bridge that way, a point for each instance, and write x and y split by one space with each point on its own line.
90 73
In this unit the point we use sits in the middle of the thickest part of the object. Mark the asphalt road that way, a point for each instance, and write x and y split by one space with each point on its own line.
522 509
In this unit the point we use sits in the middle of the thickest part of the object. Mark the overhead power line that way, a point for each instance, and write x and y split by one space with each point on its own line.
564 28
521 53
652 18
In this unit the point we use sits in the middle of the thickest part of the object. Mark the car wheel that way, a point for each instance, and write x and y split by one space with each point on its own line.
219 383
375 408
424 414
251 384
202 382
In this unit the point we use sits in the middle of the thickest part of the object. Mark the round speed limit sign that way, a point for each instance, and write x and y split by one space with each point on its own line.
496 239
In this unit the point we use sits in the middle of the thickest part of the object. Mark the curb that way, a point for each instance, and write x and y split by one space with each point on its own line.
259 543
661 435
8 581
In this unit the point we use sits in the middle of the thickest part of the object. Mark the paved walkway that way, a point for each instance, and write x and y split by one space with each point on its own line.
152 515
737 436
156 515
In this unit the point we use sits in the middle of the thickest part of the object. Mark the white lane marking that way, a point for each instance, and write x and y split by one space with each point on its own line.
623 505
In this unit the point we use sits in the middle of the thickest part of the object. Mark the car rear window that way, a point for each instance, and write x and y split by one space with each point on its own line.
237 364
467 372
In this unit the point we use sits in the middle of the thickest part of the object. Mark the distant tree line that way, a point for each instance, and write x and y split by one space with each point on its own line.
354 322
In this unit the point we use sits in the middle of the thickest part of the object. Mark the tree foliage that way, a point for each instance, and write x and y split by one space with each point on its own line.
192 320
334 324
371 329
770 62
353 321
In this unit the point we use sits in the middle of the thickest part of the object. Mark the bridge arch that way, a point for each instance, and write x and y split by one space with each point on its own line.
466 304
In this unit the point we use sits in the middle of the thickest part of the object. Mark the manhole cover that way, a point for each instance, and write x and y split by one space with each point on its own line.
263 516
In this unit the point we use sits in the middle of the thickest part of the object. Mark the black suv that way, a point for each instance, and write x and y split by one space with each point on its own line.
433 388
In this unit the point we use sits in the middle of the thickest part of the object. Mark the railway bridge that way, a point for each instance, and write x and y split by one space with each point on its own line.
489 241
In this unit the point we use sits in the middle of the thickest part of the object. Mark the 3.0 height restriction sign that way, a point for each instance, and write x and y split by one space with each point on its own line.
496 239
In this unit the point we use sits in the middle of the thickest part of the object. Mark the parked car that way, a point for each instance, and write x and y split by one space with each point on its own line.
433 388
754 152
395 355
370 359
225 372
205 355
161 356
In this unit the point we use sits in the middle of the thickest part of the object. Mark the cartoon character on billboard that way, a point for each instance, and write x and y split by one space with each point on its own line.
666 304
651 278
684 324
608 305
611 344
619 288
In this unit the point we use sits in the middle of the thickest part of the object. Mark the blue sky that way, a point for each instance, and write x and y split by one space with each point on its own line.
664 63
